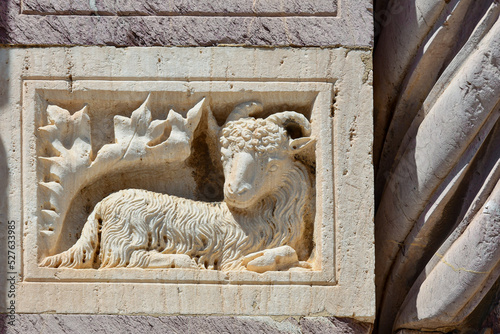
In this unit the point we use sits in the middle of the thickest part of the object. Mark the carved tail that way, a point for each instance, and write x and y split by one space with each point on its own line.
82 253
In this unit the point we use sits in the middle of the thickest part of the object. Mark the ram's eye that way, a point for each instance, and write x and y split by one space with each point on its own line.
273 168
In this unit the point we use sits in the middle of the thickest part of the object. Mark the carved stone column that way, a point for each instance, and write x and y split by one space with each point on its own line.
437 152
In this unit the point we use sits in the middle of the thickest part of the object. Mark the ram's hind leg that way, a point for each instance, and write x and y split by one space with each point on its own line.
152 259
159 260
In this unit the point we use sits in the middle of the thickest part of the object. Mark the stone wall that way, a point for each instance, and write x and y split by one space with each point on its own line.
59 324
187 23
109 96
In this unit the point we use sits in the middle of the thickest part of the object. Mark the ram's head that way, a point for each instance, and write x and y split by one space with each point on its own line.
258 153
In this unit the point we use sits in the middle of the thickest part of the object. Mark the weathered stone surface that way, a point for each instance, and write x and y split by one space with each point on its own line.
52 85
90 324
438 180
191 23
337 281
183 7
491 325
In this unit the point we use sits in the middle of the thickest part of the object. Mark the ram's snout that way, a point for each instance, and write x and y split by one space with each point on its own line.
241 179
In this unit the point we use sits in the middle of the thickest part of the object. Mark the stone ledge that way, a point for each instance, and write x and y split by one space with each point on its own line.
184 7
88 324
268 26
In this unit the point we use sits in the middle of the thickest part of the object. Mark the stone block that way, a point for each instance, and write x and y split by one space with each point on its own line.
107 153
187 23
89 324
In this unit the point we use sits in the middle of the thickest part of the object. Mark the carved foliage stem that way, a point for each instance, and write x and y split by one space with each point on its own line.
139 140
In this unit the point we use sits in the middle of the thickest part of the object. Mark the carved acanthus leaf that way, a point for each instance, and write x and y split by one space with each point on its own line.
67 138
68 135
138 137
133 134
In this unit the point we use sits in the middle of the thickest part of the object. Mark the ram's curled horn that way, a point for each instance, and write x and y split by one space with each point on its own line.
245 109
287 118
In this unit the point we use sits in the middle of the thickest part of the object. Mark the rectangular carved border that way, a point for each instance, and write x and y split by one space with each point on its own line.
324 221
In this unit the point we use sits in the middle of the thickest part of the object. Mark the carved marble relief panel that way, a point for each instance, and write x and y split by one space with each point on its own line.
228 181
214 180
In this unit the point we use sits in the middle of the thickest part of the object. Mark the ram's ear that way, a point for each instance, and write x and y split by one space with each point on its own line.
300 144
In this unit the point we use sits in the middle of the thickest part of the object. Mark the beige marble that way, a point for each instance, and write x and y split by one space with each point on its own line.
96 129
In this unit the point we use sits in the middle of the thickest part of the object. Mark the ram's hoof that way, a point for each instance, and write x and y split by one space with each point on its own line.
274 259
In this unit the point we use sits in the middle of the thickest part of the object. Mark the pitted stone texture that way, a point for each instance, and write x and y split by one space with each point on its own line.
492 322
53 22
183 7
90 324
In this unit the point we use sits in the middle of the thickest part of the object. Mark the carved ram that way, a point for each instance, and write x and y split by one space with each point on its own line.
259 226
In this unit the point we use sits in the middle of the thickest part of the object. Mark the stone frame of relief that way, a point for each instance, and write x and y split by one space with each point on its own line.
50 182
330 87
